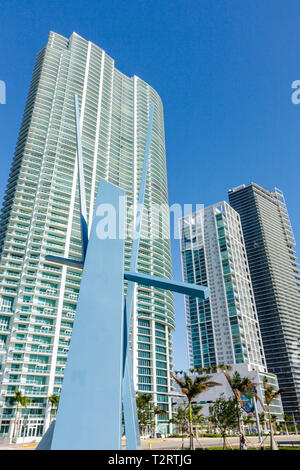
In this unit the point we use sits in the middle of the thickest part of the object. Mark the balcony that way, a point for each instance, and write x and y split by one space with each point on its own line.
70 315
4 327
5 309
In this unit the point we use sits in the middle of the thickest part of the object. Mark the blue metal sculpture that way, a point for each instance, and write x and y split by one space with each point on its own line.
98 381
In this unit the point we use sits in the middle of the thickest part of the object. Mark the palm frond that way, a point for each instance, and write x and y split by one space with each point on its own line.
179 381
211 383
283 390
228 378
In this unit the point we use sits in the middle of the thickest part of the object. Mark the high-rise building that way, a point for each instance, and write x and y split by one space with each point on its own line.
40 216
275 278
223 329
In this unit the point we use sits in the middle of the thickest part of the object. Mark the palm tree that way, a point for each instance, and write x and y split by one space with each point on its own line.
242 386
198 418
248 420
191 387
275 423
270 395
145 418
157 411
54 400
180 419
262 420
286 419
21 401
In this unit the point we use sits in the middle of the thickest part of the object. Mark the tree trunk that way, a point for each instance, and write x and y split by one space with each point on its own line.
191 427
209 427
224 441
286 429
16 421
243 445
273 443
295 424
154 425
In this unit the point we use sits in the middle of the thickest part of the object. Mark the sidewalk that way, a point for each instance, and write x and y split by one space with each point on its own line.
27 446
172 443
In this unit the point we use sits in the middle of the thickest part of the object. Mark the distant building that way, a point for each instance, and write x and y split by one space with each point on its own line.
223 329
275 279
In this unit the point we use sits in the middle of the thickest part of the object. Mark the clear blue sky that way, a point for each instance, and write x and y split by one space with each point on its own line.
222 68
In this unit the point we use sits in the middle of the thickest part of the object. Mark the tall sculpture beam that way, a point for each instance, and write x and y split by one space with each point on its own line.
81 185
90 407
129 399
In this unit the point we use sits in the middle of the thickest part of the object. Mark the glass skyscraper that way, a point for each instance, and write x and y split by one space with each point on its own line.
40 216
275 278
223 329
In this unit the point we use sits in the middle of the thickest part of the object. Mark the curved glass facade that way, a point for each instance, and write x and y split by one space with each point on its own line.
41 216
